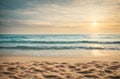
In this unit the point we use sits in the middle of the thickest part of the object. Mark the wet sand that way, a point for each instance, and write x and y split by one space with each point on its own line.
26 67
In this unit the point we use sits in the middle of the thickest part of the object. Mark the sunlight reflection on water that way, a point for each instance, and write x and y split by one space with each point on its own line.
98 53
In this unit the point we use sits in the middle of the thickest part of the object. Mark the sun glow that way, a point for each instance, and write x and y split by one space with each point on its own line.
94 24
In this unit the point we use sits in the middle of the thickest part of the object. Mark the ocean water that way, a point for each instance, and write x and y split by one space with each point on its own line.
58 44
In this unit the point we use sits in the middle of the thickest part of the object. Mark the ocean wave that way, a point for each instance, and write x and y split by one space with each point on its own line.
57 47
63 42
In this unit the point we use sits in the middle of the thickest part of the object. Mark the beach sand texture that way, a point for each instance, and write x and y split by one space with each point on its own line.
59 70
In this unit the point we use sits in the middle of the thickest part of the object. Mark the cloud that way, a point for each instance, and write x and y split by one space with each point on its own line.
58 13
78 10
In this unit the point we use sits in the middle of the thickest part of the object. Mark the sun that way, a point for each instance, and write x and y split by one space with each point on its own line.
94 24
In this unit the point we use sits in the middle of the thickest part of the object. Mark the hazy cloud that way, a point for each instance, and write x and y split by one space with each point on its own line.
58 13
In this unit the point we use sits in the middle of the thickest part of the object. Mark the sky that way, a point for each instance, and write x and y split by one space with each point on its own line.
59 16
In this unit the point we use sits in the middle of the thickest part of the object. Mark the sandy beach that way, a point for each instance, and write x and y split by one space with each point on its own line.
28 67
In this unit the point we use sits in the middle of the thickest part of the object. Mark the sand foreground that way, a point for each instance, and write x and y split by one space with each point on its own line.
22 67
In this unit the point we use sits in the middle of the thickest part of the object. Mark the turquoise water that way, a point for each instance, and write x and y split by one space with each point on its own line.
40 43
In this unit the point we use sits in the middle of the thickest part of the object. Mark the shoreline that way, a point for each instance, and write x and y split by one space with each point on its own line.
73 59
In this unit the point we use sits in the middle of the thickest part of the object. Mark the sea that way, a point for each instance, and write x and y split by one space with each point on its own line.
59 44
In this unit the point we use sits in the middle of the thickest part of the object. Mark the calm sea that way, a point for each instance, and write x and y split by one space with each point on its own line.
57 44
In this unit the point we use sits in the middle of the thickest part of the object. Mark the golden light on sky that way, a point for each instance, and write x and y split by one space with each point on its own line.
60 16
95 24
